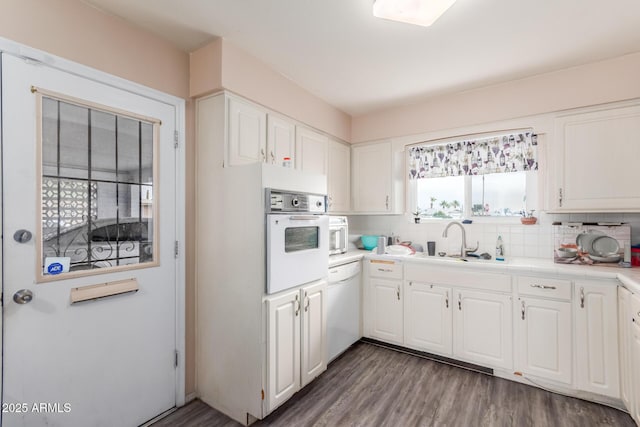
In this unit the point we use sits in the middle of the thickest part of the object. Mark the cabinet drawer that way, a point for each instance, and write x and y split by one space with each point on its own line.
385 268
544 287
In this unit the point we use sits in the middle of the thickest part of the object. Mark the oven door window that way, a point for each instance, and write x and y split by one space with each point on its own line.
301 238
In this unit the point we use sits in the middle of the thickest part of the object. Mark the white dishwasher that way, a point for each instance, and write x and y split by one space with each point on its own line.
343 308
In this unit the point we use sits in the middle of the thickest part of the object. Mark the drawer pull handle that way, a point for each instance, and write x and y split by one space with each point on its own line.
446 301
398 293
543 286
307 299
522 310
581 297
385 270
459 302
297 306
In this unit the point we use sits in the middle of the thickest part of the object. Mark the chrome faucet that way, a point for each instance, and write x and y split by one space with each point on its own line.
463 246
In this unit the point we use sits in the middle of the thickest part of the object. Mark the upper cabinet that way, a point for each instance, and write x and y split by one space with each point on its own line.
247 136
311 151
596 157
339 177
281 139
372 178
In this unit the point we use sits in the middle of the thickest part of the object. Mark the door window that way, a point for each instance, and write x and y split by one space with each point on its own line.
98 180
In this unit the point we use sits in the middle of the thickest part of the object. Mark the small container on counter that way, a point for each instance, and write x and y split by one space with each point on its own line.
382 245
635 257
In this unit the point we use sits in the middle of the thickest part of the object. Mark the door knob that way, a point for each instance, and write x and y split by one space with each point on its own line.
22 236
23 296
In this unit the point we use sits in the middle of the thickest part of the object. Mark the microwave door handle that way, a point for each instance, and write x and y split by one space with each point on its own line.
304 218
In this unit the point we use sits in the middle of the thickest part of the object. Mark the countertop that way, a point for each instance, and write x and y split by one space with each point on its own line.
628 277
349 256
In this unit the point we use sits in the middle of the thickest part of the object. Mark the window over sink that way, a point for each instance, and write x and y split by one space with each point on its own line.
484 176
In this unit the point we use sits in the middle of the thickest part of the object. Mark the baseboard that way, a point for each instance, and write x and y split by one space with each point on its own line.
190 397
430 356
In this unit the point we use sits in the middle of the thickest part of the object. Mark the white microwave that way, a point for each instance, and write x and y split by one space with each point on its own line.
338 235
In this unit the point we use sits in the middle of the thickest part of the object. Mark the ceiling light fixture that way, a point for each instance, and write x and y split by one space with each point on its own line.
417 12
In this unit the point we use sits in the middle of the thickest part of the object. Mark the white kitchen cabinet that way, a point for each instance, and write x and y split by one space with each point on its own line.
283 348
596 159
247 135
372 178
482 325
339 177
634 332
624 340
312 151
386 310
296 341
596 329
314 331
428 324
281 139
543 324
544 338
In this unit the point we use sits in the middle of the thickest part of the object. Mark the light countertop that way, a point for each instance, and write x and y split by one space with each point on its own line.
629 277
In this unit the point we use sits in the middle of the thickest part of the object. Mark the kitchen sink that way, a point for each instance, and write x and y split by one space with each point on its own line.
456 258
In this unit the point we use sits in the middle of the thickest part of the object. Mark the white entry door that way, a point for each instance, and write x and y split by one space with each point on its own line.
89 176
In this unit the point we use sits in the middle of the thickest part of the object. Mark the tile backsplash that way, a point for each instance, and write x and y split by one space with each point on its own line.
533 241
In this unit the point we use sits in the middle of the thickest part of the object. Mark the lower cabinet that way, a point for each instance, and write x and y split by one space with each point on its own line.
543 334
596 328
428 324
635 356
624 339
385 299
296 341
483 328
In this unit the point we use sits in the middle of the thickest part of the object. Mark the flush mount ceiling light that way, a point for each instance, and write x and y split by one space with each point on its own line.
417 12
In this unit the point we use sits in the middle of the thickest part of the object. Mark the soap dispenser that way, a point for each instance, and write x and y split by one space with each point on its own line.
499 249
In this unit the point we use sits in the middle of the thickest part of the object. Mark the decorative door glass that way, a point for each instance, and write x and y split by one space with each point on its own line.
97 206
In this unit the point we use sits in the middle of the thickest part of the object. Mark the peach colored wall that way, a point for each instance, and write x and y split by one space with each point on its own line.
206 69
600 82
78 32
255 80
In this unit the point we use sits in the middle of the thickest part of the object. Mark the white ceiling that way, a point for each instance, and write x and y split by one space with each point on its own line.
338 51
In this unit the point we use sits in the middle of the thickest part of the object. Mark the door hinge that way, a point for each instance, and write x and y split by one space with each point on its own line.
176 249
262 394
176 359
176 138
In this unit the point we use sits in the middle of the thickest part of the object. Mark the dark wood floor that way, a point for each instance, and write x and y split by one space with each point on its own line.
373 386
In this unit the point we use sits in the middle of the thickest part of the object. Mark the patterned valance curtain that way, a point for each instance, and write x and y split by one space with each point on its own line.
496 154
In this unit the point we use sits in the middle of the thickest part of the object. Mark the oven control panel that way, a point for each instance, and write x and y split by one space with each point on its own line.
284 201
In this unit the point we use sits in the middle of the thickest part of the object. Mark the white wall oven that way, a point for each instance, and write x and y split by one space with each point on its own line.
297 239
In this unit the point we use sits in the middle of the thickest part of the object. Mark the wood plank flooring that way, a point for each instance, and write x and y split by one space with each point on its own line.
374 386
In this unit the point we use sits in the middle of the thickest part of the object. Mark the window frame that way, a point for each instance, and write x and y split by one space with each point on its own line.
533 187
40 277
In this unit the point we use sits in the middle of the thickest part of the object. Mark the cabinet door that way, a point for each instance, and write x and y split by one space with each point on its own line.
596 162
634 332
281 140
597 338
544 338
311 151
482 328
372 178
283 348
428 324
635 344
247 133
624 339
314 331
386 310
339 177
